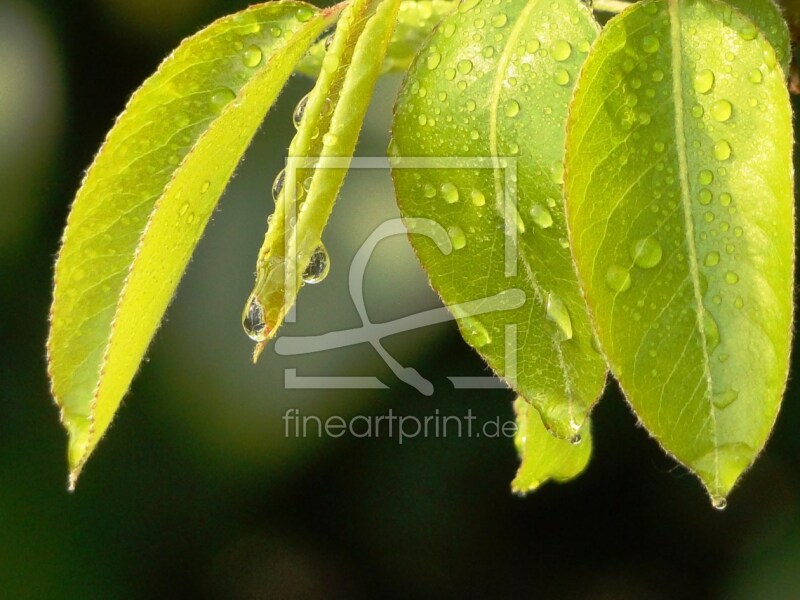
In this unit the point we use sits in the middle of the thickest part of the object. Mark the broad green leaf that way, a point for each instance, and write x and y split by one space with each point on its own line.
680 208
147 197
767 17
492 88
319 155
543 456
415 21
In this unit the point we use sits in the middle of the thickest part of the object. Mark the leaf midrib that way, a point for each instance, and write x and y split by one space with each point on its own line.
683 168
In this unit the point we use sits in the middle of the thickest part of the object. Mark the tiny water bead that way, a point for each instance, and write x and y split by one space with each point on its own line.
722 150
541 216
719 502
704 81
449 193
457 237
557 312
561 51
318 266
252 57
647 253
618 278
512 108
255 326
721 110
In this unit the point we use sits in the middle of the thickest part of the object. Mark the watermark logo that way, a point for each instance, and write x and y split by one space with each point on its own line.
374 333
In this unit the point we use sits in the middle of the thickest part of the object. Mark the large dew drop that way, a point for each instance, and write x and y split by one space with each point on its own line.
255 326
318 267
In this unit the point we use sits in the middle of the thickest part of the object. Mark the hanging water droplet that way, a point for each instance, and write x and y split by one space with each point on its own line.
719 502
253 321
576 439
618 278
557 313
299 111
541 216
277 185
647 253
318 266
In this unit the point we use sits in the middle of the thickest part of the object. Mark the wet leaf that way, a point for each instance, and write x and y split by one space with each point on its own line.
490 91
679 202
319 155
544 457
147 197
767 17
415 21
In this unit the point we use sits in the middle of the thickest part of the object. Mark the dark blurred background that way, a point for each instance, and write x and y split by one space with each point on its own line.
196 491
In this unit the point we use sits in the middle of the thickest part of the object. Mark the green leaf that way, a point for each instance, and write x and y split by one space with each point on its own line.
543 456
415 21
494 83
147 197
319 155
680 208
767 16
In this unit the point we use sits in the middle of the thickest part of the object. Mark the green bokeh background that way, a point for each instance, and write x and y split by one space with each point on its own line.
196 492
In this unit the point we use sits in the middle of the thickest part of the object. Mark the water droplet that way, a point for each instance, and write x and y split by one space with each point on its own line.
299 111
303 14
277 185
449 193
221 98
731 277
618 278
650 44
512 108
719 502
252 57
711 331
712 259
721 110
330 139
183 209
705 196
557 313
255 326
464 66
205 186
725 199
318 266
706 177
541 216
477 197
756 76
276 32
647 253
562 77
704 81
725 399
748 32
561 51
434 58
532 46
457 237
330 63
499 20
429 190
770 59
722 150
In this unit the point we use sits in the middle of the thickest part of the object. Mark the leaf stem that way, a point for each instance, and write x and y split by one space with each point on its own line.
611 6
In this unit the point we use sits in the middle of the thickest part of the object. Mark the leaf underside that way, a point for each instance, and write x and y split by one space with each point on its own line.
679 189
544 457
494 83
147 197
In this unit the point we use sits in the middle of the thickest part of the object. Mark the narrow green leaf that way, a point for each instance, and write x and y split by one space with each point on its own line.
767 16
494 83
680 208
147 197
415 21
319 155
544 457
